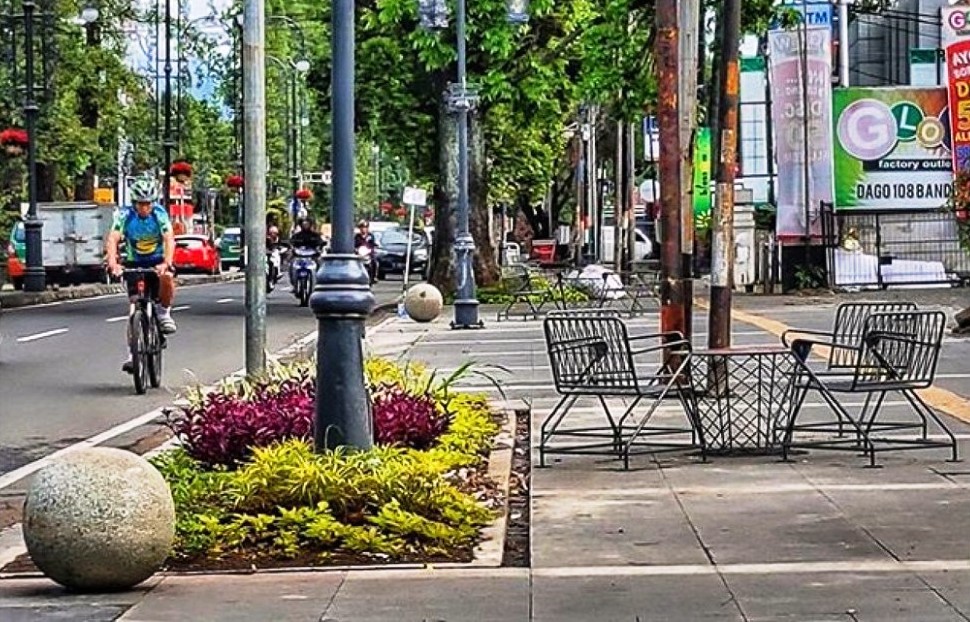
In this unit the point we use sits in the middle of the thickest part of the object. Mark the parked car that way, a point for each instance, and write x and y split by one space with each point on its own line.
196 253
392 247
17 255
230 247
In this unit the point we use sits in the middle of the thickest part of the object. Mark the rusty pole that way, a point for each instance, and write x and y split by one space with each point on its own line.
722 224
672 316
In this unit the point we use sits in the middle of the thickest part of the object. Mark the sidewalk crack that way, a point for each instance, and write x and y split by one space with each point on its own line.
697 536
325 616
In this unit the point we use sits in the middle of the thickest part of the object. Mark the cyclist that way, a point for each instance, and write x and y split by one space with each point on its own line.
147 232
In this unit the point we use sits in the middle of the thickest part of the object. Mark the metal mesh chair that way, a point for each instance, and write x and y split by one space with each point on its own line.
593 356
845 338
898 353
517 282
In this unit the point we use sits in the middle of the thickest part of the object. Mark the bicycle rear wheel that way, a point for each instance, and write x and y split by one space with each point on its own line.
154 353
138 347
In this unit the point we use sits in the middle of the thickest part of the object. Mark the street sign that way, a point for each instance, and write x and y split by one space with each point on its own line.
324 177
814 13
415 196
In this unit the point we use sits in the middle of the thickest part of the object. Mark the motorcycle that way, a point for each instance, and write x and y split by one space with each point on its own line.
370 262
274 263
304 264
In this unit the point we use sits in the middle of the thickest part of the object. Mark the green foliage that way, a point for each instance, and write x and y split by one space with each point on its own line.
810 277
504 292
287 499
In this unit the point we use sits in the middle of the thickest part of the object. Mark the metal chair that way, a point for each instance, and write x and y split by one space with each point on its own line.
593 356
899 353
517 281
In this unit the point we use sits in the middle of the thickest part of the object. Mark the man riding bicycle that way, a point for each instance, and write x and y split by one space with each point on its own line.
147 232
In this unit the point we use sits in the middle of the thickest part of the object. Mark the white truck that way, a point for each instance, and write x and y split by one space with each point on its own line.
73 240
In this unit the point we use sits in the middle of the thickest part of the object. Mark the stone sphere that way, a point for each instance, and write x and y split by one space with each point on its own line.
99 520
423 302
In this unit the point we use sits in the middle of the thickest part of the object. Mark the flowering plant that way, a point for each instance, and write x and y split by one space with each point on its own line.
235 181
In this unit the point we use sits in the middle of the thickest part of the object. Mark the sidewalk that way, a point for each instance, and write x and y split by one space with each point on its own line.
673 539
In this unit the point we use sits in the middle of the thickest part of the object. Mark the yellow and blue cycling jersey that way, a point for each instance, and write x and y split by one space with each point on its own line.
143 235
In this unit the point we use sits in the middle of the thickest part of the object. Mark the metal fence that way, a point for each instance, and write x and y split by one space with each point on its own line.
879 250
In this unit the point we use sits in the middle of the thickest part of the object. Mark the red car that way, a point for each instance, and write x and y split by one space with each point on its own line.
196 253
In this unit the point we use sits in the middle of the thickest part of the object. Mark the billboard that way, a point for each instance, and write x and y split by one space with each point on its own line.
891 148
958 86
801 131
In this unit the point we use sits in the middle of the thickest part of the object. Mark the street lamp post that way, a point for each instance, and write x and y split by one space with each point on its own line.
167 140
292 69
342 298
461 99
34 279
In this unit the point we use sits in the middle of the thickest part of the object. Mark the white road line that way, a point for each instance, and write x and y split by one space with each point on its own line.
223 301
43 335
28 469
120 318
181 307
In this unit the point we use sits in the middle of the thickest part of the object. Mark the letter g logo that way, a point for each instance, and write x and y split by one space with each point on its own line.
867 129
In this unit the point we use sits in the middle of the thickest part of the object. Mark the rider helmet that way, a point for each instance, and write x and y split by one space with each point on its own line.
144 190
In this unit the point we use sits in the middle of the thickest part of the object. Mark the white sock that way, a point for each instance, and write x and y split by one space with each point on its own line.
164 311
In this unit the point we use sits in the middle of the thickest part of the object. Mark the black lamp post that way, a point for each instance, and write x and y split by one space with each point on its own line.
462 98
35 278
342 298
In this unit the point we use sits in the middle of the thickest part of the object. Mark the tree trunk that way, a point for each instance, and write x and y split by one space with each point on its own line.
487 271
446 203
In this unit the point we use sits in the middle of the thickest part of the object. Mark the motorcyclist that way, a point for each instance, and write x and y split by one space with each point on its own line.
307 237
364 239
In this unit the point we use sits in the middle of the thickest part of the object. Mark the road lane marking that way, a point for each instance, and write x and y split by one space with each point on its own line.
181 308
43 335
223 301
120 318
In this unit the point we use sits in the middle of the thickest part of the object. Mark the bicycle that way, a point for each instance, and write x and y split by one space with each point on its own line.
145 339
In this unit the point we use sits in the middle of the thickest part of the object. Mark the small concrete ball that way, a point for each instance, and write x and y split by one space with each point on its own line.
423 302
99 520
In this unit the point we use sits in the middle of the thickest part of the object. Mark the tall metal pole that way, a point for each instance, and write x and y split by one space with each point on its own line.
844 43
34 279
466 305
342 298
722 224
254 157
671 198
691 44
294 139
167 142
806 178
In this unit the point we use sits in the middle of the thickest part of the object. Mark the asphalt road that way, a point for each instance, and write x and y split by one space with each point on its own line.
60 365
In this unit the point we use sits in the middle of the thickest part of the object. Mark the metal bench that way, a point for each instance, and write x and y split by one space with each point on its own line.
517 282
845 337
593 356
898 353
634 294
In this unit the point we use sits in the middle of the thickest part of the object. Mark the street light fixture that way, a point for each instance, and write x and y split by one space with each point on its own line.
34 278
342 298
462 98
90 14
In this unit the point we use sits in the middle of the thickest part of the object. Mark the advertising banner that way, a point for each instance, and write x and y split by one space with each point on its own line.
954 24
702 171
958 87
891 148
798 134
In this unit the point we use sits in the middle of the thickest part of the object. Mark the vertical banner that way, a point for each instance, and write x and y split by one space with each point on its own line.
795 219
958 89
702 171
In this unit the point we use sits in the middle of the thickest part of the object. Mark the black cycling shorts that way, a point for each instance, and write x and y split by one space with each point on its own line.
152 283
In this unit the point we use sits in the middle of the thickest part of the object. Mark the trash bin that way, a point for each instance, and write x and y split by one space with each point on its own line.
544 251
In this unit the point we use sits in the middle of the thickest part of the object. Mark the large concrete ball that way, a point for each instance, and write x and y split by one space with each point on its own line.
423 302
99 520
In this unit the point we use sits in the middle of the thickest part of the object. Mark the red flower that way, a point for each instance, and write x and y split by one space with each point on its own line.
386 208
13 136
181 169
235 181
304 194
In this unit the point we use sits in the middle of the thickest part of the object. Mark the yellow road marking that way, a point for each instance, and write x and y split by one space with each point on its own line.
945 401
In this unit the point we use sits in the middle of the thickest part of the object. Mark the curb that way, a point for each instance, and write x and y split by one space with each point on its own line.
19 299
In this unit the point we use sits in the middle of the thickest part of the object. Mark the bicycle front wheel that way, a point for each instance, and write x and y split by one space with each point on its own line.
154 353
138 347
